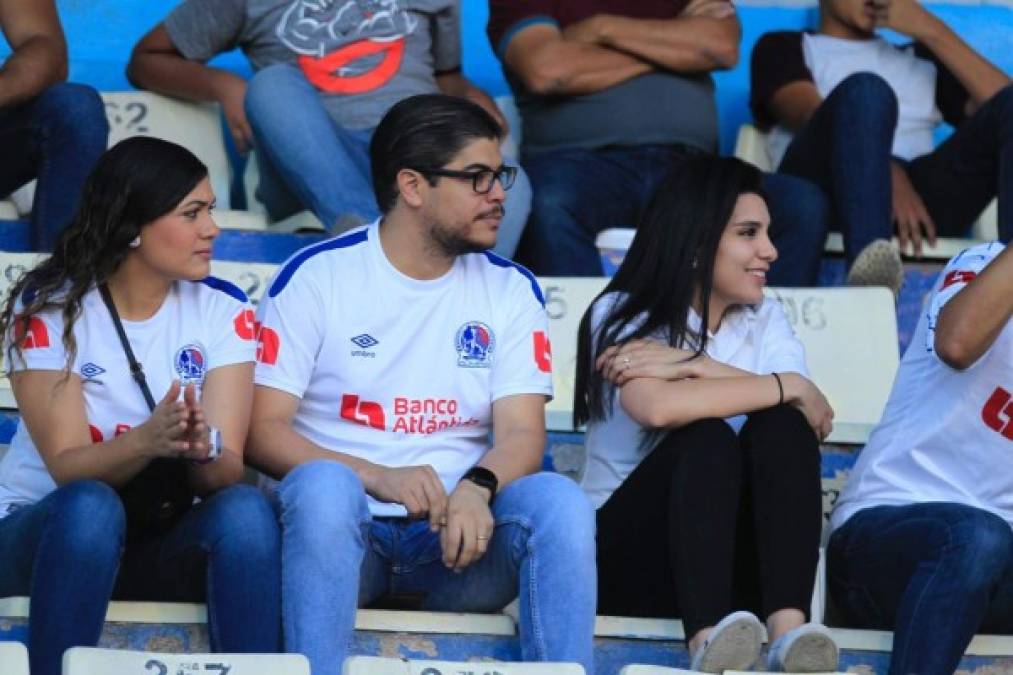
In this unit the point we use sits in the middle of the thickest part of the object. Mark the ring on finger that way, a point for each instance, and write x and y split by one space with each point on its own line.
482 537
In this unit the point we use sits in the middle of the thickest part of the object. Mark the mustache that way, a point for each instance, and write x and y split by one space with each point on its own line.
498 211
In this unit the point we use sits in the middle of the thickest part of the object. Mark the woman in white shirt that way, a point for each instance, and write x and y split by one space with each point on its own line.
703 445
133 373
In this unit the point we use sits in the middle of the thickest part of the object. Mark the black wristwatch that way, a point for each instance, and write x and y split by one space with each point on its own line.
482 477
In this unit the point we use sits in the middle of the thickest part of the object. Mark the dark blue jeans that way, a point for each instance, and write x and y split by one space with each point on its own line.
64 551
934 573
845 149
578 193
55 138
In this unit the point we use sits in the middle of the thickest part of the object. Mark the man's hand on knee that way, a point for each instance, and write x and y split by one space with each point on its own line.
909 213
417 488
469 525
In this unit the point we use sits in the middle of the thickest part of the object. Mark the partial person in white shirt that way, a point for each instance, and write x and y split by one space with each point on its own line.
703 430
857 115
922 542
97 489
375 403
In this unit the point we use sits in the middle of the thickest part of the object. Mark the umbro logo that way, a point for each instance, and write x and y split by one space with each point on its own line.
365 341
91 372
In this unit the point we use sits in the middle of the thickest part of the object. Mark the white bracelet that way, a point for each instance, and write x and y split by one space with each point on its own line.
214 447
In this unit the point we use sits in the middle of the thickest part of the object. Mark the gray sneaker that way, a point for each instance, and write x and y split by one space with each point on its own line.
806 649
734 644
878 264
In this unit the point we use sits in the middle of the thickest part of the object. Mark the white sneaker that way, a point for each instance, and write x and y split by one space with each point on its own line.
734 644
878 264
806 649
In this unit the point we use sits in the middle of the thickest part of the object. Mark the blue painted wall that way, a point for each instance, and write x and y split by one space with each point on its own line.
102 32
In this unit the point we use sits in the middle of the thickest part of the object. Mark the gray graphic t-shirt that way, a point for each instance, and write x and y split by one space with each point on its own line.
363 56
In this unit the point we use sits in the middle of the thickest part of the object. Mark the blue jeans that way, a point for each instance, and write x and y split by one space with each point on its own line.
934 573
846 150
580 192
64 551
55 138
308 161
335 557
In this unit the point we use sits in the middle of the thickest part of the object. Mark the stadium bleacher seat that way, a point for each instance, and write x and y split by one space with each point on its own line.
301 221
94 661
13 658
566 299
751 146
375 665
195 126
8 211
639 669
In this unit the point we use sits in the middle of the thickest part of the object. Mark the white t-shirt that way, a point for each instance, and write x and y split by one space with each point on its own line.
757 339
946 435
199 327
913 80
400 371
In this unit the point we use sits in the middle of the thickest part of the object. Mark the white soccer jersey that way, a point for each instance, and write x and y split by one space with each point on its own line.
946 435
200 326
758 339
398 371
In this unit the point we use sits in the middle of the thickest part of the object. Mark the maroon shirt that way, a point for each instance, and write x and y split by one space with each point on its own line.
504 15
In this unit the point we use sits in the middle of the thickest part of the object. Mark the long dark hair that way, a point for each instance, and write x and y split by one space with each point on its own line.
133 183
671 255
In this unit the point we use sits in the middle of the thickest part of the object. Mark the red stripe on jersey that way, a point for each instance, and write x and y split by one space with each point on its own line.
998 412
543 351
268 345
958 277
245 324
31 332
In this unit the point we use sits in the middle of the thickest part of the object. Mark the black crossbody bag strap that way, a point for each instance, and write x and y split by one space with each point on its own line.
157 497
135 368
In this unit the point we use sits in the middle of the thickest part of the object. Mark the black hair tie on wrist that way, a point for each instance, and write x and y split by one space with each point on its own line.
780 389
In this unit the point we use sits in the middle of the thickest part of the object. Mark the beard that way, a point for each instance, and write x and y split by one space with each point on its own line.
455 242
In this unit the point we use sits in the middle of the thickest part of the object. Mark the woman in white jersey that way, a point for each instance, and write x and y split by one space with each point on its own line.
97 489
703 431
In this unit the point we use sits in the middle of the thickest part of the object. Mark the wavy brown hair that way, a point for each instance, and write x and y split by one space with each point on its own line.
133 183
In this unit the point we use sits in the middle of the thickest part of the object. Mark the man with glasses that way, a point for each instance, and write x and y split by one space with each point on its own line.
404 414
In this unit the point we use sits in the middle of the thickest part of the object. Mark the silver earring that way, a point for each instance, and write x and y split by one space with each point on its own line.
136 242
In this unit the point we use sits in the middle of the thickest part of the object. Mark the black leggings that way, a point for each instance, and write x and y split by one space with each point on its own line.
712 521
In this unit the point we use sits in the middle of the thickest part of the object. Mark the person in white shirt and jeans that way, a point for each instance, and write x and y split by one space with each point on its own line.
922 542
375 401
703 430
97 489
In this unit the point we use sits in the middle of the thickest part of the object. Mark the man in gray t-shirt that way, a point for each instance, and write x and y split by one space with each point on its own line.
325 75
613 96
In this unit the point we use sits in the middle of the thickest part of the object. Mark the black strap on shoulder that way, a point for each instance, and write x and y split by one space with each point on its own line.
135 368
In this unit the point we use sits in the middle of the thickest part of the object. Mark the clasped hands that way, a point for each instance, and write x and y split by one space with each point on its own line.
177 428
463 518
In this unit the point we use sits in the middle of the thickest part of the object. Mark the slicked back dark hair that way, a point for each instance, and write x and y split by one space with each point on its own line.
424 131
133 183
672 253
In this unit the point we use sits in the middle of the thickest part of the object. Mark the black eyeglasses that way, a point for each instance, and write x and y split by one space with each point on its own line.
481 179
